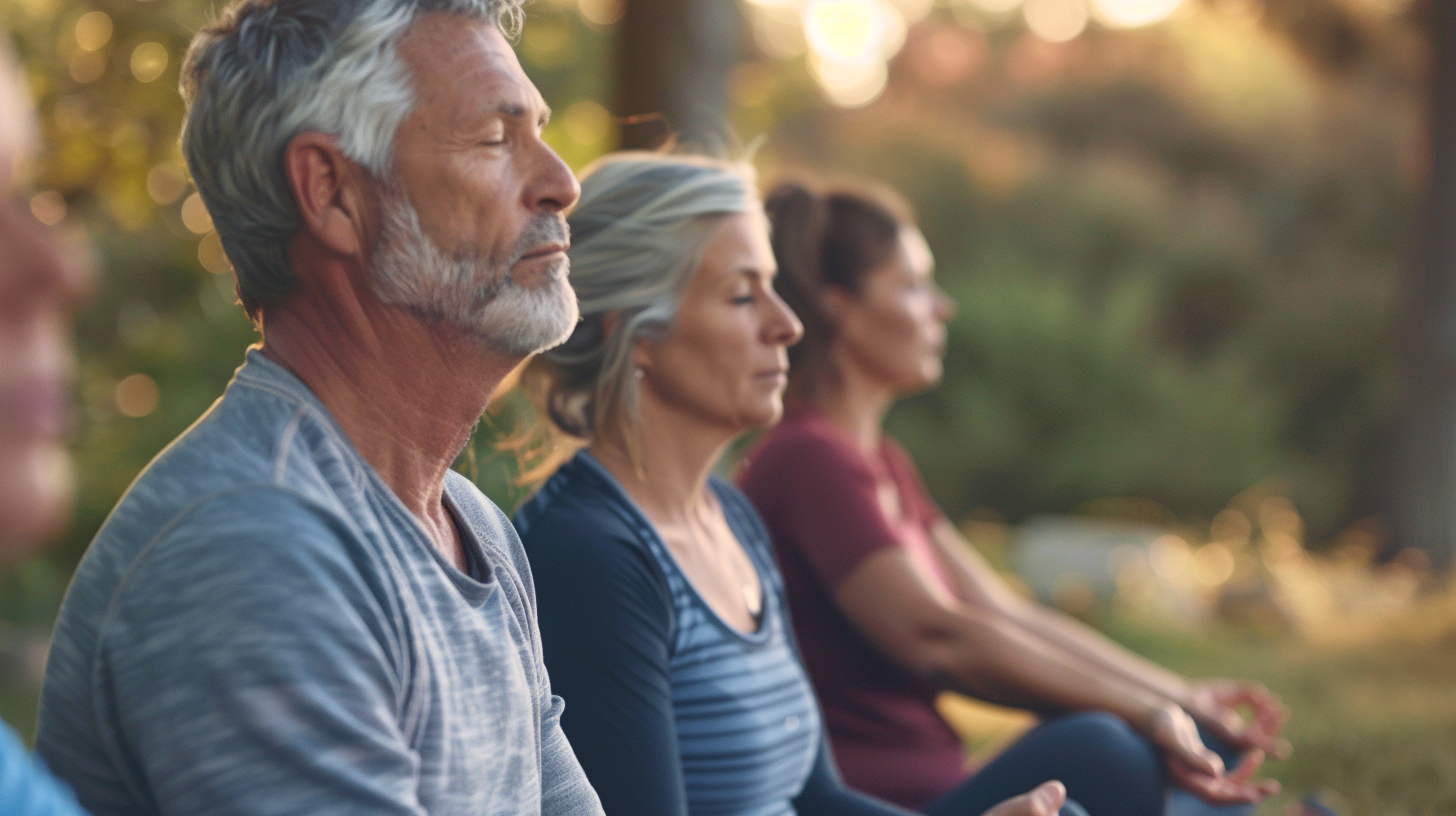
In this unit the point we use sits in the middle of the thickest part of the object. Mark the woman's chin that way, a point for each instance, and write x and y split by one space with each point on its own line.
762 415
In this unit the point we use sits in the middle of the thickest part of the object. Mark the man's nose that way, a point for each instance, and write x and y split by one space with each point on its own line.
555 188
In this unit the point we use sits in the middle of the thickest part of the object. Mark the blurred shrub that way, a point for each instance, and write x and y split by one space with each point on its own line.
1050 401
1177 272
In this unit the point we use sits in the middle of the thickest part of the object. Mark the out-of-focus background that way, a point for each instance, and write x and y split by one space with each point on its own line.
1198 391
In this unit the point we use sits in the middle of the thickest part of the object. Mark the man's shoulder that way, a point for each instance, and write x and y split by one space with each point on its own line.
258 455
241 548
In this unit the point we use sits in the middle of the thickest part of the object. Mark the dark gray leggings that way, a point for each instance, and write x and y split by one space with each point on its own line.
1109 770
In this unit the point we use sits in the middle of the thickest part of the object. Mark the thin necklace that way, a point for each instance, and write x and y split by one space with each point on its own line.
747 584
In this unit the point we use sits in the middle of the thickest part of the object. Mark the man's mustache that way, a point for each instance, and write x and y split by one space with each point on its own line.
543 230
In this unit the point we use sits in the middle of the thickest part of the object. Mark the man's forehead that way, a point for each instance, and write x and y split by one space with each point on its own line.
469 60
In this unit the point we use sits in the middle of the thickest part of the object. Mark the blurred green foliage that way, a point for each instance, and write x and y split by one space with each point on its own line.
1175 249
1176 252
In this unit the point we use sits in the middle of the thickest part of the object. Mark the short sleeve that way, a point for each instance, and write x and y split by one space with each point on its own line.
910 486
267 679
818 496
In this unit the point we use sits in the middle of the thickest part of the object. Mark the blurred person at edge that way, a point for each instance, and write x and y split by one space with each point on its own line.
297 607
663 620
891 604
39 289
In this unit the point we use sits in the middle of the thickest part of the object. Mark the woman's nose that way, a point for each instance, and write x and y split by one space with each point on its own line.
784 326
945 306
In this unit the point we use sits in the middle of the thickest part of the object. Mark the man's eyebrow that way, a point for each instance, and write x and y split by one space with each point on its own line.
517 109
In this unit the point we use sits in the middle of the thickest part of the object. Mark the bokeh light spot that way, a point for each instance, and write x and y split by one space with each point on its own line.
93 30
845 30
48 207
148 61
1133 13
1056 20
1169 556
947 54
587 122
212 256
166 183
1213 564
602 12
195 216
137 395
849 84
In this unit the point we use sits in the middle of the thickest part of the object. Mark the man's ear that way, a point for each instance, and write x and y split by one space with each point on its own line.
330 191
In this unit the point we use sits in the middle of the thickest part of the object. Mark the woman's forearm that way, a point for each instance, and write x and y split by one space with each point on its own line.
1095 649
1005 663
985 592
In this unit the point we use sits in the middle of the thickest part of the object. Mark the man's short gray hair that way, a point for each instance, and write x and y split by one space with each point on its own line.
268 70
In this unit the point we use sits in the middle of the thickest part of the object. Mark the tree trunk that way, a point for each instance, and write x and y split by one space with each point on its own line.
1419 491
673 59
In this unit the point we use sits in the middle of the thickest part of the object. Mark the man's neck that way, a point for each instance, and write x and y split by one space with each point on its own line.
406 392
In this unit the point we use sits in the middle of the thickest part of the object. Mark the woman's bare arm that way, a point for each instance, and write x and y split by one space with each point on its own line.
1212 703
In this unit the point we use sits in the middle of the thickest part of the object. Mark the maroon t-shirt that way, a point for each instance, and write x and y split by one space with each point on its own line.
827 510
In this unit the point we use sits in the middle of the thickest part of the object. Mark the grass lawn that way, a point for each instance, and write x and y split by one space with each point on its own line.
1373 726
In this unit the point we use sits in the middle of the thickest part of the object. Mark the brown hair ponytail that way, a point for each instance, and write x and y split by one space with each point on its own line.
827 236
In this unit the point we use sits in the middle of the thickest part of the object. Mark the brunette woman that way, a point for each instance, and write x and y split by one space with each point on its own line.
891 605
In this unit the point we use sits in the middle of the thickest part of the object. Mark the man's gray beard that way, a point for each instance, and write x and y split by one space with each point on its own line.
472 290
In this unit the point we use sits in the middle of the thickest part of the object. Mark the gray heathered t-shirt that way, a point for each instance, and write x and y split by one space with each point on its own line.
261 627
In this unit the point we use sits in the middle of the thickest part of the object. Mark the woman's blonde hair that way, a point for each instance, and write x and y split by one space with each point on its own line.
637 237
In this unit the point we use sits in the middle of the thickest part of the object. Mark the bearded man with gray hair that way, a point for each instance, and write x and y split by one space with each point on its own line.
298 608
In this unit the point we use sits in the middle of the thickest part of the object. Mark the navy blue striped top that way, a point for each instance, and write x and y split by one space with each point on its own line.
671 711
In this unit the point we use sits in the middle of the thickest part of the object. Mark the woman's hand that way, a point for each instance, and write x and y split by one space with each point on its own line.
1193 767
1045 800
1215 704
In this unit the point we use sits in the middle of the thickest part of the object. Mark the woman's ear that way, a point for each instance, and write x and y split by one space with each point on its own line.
642 353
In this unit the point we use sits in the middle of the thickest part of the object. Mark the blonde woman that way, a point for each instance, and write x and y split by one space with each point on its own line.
662 614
